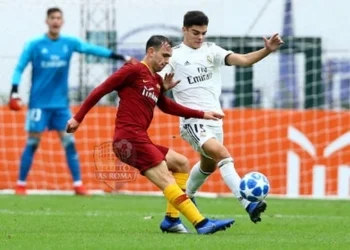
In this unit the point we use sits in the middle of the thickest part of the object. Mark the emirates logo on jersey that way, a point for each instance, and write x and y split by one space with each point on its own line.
204 74
149 92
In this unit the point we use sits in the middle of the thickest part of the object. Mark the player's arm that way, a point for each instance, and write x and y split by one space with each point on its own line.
249 59
168 106
91 49
114 82
15 102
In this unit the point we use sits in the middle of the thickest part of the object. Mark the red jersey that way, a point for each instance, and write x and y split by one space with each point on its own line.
139 92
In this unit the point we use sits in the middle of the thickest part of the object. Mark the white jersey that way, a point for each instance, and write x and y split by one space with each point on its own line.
199 72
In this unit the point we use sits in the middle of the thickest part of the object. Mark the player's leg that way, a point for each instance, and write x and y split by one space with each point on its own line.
26 161
196 135
150 161
72 158
208 141
218 152
161 177
36 121
199 174
179 167
58 122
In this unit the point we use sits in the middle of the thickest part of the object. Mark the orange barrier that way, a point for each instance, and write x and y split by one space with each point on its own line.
308 147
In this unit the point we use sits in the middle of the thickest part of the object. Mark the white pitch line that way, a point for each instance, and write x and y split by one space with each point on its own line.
158 193
138 214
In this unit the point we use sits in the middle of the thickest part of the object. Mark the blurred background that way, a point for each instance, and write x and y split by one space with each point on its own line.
311 70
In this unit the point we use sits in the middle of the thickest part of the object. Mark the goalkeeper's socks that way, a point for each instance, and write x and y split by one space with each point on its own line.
181 202
27 158
72 157
180 179
196 179
232 179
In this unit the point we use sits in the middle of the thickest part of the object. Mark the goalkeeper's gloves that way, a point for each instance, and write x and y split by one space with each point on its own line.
127 59
15 102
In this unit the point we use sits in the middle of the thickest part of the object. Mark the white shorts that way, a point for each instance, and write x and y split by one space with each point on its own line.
196 134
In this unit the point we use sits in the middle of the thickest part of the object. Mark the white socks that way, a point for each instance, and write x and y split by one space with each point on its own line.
229 175
231 178
77 183
21 183
196 179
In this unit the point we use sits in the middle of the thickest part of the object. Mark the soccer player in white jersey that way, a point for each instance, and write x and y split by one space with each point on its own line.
197 64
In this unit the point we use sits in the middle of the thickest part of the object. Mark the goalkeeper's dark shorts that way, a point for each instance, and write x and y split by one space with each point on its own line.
139 153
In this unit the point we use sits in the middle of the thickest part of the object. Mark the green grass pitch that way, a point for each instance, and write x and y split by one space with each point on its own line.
118 222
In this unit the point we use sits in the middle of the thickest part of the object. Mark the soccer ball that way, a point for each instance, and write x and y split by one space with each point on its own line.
254 186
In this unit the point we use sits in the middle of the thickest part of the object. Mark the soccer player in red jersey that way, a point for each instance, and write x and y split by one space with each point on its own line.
140 89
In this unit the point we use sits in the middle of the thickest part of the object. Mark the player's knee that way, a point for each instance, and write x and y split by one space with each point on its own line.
182 165
222 153
68 141
69 146
217 152
225 161
177 163
33 142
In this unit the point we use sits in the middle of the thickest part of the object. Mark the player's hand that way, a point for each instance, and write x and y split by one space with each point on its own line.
72 125
15 102
273 43
213 116
169 82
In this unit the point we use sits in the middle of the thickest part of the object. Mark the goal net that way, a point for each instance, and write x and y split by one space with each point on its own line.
286 116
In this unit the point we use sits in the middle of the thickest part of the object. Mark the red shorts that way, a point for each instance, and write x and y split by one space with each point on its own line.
138 153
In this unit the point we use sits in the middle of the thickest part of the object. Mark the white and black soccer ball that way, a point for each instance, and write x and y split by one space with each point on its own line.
254 186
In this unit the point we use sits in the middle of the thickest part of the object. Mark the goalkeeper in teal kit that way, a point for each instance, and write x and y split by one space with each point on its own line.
48 106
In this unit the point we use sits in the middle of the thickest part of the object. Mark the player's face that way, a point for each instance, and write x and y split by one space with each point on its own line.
161 57
54 21
194 35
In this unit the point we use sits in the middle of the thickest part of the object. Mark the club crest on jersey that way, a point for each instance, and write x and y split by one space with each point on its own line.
44 51
158 86
65 48
209 59
149 92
